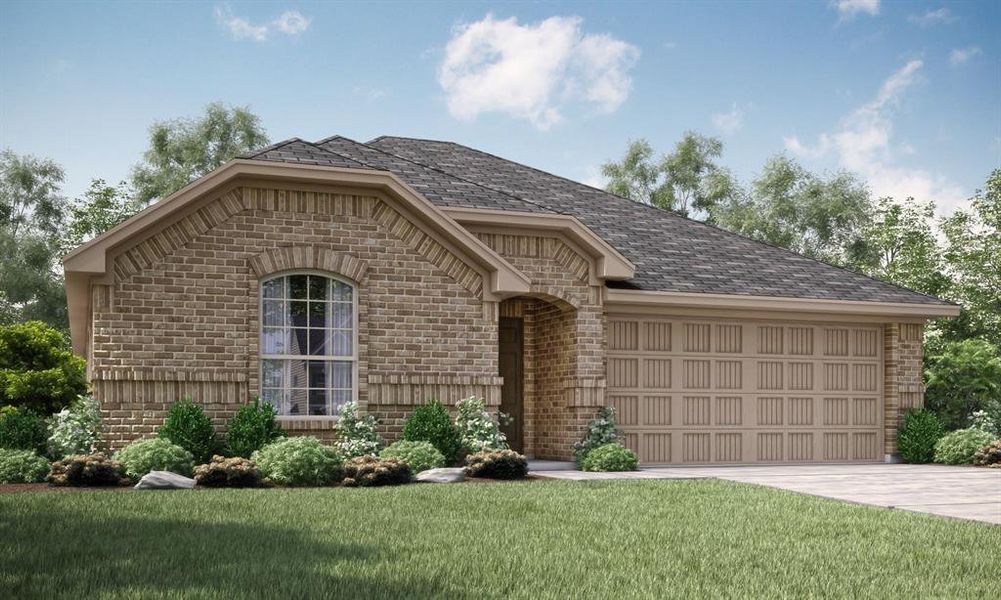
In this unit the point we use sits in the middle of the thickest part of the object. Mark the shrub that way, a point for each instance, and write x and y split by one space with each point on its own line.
497 464
228 472
432 423
86 470
251 428
600 431
421 456
189 427
989 455
918 434
22 430
38 370
958 447
478 429
984 421
961 379
610 457
142 456
298 461
358 435
369 471
22 466
75 429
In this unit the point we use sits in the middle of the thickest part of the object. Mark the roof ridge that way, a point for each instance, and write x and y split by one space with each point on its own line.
259 151
675 215
339 155
447 173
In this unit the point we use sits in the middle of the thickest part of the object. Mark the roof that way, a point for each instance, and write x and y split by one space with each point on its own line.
671 253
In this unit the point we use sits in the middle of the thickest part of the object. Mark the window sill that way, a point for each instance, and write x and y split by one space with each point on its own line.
314 422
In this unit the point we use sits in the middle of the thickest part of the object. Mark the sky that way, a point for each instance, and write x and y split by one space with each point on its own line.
906 94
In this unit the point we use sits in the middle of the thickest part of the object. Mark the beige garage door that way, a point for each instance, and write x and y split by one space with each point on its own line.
691 391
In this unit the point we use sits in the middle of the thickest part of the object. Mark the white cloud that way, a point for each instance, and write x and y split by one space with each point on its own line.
290 22
863 144
849 9
731 122
932 17
533 72
962 55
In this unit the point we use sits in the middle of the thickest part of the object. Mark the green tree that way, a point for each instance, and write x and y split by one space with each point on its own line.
100 208
32 214
973 254
184 149
965 376
687 180
788 206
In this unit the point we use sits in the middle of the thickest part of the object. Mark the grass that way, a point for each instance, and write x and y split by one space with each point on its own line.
523 540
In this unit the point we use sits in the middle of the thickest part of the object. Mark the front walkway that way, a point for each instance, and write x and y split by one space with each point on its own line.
961 492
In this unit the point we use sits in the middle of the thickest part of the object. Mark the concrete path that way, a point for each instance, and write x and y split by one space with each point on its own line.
961 492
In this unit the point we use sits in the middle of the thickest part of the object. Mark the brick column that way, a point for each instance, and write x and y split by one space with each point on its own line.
903 385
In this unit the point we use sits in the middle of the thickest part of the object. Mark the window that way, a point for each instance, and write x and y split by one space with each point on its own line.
308 347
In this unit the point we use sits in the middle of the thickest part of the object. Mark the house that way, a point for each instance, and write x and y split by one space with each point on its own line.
403 270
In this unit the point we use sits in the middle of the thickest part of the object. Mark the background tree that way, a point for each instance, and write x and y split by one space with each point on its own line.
637 176
32 213
100 208
184 149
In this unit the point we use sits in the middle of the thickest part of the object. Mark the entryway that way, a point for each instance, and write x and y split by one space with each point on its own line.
511 360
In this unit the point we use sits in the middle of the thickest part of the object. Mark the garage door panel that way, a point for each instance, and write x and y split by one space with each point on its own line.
740 392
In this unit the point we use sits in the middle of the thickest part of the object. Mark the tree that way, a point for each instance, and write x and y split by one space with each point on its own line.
973 253
101 208
32 213
687 180
788 206
185 149
965 376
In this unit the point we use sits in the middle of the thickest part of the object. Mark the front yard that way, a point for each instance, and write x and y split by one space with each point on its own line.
531 539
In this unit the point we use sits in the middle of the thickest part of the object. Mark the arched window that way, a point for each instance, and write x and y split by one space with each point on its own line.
308 344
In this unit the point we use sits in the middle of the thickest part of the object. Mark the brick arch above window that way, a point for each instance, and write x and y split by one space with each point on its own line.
290 258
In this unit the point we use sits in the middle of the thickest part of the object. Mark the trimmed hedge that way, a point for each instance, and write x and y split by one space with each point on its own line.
610 457
22 466
189 427
157 454
22 430
432 423
253 427
299 461
421 456
920 431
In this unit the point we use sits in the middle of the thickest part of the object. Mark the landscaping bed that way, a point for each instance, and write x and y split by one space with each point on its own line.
559 539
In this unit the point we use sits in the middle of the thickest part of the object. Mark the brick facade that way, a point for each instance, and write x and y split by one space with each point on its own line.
903 386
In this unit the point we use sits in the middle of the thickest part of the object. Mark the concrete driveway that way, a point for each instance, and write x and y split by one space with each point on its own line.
961 492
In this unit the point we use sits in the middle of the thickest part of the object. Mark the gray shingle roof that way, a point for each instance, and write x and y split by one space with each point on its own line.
671 253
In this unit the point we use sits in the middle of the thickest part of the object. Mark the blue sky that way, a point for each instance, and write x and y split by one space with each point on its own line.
908 94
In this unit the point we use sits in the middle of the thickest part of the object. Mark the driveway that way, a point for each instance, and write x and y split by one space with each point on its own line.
961 492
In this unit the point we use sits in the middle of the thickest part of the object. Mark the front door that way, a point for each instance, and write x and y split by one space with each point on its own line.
512 368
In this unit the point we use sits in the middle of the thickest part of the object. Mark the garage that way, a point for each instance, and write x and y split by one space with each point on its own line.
708 391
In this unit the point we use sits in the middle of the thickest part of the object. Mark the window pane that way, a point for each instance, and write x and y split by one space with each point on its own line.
341 374
298 342
317 374
342 345
317 287
341 291
339 398
296 374
274 313
340 316
297 402
274 288
274 398
318 342
298 313
272 373
317 314
317 402
297 287
274 341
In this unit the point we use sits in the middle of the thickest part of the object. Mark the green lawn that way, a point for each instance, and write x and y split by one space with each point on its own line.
529 540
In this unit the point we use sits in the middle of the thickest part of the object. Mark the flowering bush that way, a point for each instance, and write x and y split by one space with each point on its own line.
76 429
251 428
86 469
228 472
297 461
989 455
982 420
369 471
610 457
142 456
432 423
22 430
22 466
958 447
497 464
477 428
189 427
358 434
600 431
421 456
